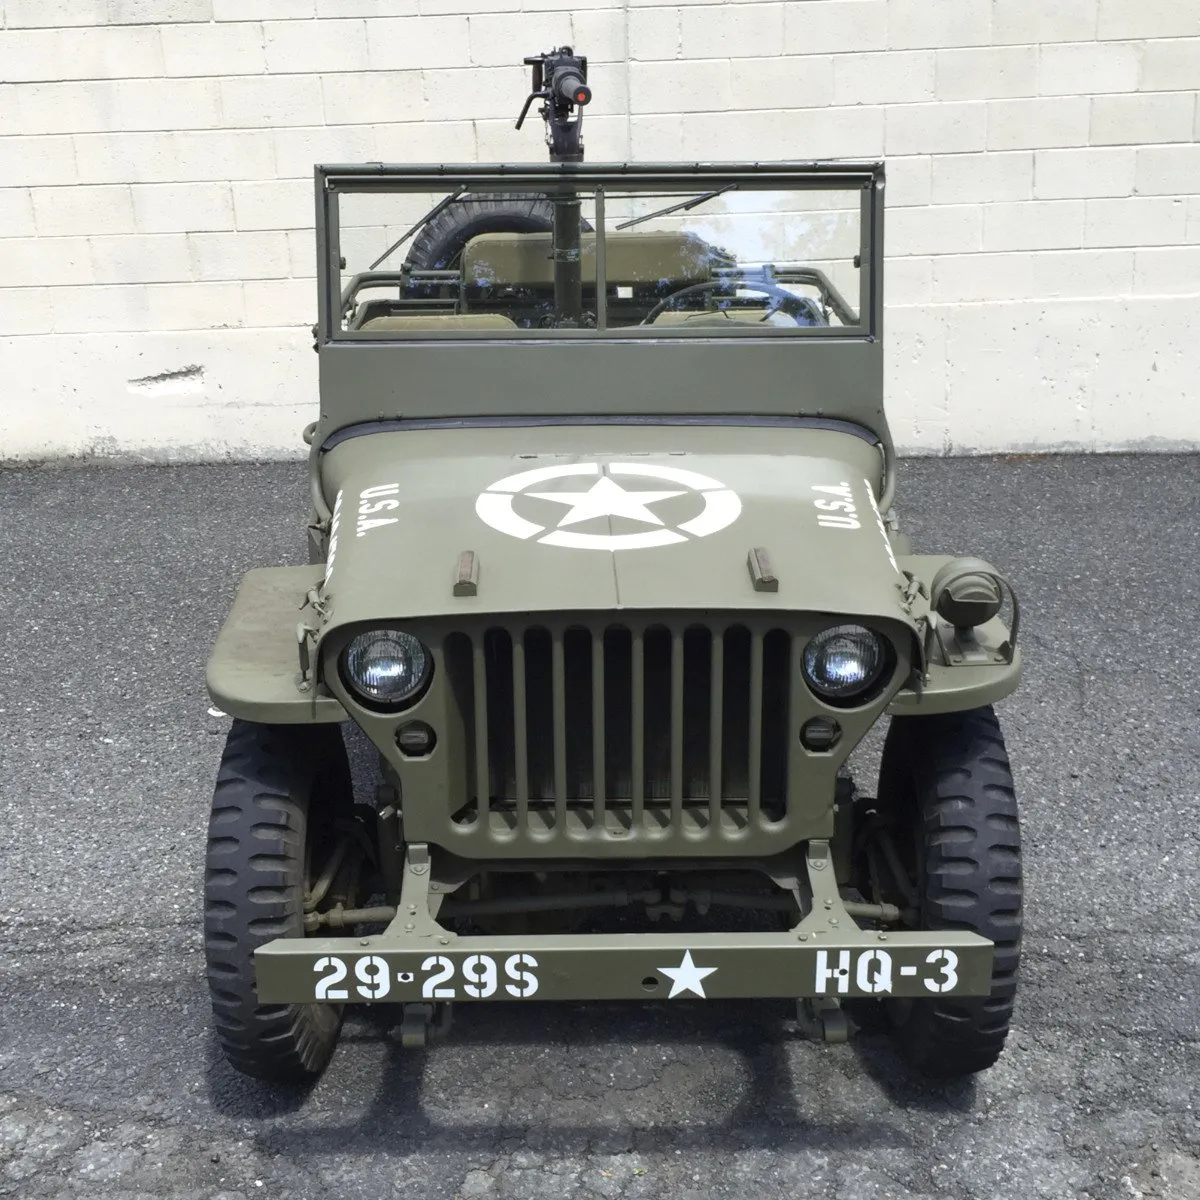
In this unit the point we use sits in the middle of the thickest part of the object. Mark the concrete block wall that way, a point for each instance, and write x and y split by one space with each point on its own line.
155 191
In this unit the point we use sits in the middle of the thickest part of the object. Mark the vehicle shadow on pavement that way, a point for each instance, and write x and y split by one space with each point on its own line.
410 1109
904 1088
881 1062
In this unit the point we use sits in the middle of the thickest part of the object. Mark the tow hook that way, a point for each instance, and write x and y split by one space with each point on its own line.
422 1024
822 1017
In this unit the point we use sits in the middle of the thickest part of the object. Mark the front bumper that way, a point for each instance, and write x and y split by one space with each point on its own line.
415 959
402 968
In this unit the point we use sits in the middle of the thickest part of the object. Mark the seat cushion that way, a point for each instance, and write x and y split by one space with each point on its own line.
439 321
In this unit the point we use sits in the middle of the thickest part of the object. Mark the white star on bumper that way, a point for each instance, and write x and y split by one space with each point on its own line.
687 977
607 498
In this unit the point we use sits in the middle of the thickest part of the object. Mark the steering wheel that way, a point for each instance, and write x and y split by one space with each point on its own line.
793 306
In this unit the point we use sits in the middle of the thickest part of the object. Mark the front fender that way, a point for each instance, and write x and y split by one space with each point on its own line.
254 669
986 675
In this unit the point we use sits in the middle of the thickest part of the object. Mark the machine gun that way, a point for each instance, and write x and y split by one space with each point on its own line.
560 82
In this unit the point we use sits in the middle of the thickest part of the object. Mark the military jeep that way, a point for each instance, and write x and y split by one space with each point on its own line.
605 566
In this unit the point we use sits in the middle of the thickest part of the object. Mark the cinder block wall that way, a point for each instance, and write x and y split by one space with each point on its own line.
156 255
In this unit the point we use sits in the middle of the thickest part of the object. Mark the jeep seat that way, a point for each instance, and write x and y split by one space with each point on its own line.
664 260
744 316
709 316
432 322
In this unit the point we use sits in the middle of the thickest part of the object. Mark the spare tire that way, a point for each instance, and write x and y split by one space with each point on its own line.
440 243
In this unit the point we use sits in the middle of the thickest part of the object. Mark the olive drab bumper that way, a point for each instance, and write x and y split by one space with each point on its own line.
404 968
826 955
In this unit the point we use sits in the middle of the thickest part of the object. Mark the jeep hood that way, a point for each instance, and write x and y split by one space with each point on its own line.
604 518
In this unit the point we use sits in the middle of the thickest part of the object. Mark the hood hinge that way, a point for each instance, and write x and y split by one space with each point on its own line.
910 590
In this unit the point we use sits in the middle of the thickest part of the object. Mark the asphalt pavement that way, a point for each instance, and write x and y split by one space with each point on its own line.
113 583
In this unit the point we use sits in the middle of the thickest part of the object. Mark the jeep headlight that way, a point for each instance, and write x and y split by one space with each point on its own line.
843 664
386 668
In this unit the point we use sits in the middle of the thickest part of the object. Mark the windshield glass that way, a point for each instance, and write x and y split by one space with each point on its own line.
674 258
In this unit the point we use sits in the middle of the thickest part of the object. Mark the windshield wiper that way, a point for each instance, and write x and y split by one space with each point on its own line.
683 206
441 205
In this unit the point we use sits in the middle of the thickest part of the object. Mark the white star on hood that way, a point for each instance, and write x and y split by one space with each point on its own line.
687 977
606 498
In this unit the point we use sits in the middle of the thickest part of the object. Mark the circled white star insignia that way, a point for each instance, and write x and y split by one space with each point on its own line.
606 497
687 977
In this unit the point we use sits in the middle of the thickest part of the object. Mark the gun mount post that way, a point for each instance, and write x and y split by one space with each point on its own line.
568 265
560 82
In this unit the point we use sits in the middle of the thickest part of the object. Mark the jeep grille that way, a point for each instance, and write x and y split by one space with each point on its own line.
596 731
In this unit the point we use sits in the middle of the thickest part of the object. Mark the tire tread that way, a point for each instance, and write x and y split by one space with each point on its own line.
954 770
273 785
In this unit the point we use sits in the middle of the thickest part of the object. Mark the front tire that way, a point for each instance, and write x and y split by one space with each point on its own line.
279 790
946 797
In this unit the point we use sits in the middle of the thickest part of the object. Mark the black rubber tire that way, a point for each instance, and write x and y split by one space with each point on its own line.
279 787
947 781
440 243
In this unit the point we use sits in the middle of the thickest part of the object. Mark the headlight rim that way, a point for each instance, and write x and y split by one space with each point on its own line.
364 698
868 691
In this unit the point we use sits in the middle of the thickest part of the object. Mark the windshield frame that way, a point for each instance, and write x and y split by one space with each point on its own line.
687 181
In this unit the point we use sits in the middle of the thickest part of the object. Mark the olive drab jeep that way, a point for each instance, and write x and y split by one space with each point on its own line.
604 564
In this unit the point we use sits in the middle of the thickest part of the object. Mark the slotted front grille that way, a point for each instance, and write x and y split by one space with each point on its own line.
621 728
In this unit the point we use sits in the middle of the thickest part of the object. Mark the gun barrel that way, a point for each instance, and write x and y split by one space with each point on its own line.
569 88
